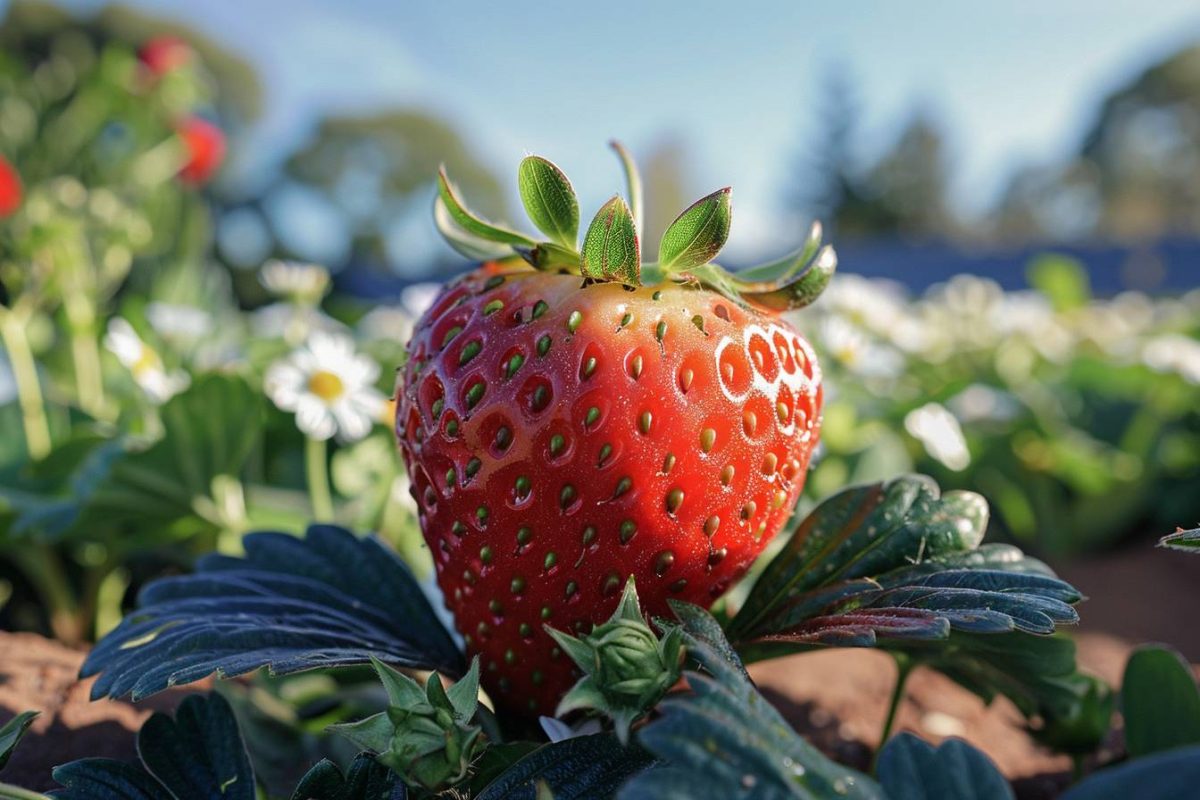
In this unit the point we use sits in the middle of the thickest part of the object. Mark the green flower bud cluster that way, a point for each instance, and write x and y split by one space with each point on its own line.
425 735
627 668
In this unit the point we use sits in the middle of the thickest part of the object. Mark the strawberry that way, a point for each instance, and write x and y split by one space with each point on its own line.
577 418
204 148
10 189
164 54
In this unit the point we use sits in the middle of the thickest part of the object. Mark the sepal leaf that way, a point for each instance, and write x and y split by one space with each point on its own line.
697 234
464 242
610 249
472 223
549 200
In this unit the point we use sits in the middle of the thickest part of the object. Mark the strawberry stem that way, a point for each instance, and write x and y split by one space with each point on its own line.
317 471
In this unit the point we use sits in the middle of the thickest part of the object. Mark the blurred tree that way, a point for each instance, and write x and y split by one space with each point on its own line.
906 187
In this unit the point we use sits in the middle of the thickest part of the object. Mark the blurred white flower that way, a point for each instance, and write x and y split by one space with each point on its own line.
387 324
291 323
143 362
329 386
1173 352
557 730
8 381
854 350
980 402
938 430
173 321
297 282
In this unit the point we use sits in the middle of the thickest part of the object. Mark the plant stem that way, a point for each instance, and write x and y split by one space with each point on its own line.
904 665
29 390
318 479
85 353
42 565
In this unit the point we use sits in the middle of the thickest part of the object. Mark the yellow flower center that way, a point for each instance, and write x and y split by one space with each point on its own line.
148 361
326 385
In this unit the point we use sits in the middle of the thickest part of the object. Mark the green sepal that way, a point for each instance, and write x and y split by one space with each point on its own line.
626 668
1188 541
373 733
549 257
463 242
610 249
549 200
633 181
698 234
473 223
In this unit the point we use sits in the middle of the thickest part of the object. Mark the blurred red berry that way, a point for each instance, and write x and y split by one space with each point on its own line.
164 54
205 147
10 189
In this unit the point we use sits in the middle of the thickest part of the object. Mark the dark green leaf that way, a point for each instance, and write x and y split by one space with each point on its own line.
11 733
580 768
366 779
472 223
698 234
724 741
1182 540
327 600
549 200
611 249
792 282
913 769
1160 702
1170 775
199 755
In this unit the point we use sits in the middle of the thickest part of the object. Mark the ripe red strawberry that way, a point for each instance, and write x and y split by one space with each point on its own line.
163 54
564 433
10 189
204 145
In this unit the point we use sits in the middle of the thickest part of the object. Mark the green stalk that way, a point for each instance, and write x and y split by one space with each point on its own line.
904 666
29 390
45 570
85 353
10 792
317 469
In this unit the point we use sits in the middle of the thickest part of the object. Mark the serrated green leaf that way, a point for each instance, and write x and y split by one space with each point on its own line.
549 200
573 769
366 779
724 740
402 690
1160 702
698 234
915 770
374 733
473 223
1188 541
464 693
11 733
466 244
610 248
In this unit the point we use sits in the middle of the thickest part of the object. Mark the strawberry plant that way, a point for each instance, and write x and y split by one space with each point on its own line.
599 449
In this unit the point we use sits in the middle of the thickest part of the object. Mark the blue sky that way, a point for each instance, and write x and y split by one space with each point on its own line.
738 81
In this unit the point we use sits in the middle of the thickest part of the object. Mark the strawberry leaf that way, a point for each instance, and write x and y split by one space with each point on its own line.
899 565
912 768
366 779
549 200
466 244
327 600
724 740
698 234
1188 541
198 754
573 769
473 223
610 248
1160 702
11 733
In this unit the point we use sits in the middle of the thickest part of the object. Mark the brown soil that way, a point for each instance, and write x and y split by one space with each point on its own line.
38 674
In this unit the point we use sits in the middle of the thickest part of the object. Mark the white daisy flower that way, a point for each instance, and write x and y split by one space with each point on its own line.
1173 352
938 430
982 403
292 323
854 349
297 282
173 321
329 386
387 324
143 362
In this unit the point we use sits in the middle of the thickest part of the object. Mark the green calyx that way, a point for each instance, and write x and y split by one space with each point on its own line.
611 249
627 668
426 735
